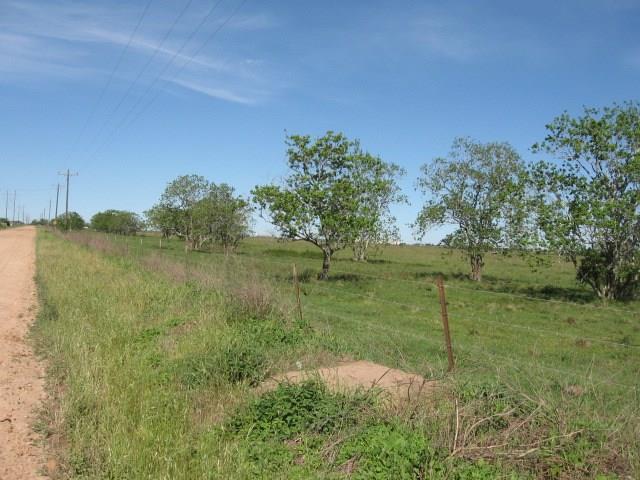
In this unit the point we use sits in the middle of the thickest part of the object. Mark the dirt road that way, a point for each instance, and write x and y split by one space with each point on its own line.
21 375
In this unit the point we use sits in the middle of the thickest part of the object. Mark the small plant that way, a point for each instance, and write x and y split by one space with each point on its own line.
292 409
242 361
387 451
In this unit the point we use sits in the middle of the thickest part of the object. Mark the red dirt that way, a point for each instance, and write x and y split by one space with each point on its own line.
21 375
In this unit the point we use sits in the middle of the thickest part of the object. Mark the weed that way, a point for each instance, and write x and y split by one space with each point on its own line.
387 451
292 409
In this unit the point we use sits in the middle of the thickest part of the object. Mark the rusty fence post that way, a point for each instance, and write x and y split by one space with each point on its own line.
296 284
445 321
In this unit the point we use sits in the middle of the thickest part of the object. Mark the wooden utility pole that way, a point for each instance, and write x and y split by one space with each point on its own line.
66 213
13 217
6 207
57 196
296 285
445 321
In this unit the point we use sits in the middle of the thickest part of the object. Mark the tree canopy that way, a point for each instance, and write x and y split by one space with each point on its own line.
201 212
116 221
589 199
73 222
478 188
323 199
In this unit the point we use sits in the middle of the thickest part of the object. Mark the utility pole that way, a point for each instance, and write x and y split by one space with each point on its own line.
6 207
49 217
66 214
13 217
55 217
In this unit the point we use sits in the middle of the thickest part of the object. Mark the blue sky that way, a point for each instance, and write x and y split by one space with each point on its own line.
213 91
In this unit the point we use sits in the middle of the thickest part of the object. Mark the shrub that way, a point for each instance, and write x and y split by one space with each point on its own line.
116 221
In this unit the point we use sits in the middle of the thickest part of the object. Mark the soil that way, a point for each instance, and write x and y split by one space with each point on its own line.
398 384
21 374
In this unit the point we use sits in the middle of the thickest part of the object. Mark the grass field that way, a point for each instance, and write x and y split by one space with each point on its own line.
549 374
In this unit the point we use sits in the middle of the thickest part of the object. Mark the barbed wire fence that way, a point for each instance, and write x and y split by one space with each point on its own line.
423 326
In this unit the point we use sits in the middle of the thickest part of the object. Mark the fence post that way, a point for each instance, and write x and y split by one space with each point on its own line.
445 321
296 285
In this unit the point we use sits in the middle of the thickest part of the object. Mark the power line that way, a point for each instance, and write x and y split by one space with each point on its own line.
159 76
141 72
110 79
146 106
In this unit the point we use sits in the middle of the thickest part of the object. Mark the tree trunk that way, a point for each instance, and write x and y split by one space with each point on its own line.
476 267
326 262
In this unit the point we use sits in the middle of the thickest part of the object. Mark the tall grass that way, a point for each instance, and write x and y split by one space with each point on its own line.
138 366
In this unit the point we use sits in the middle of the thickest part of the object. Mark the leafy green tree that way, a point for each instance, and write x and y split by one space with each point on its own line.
321 200
116 221
589 201
201 213
223 218
162 218
177 209
378 224
73 222
478 188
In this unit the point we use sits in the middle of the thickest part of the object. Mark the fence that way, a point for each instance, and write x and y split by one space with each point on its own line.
416 334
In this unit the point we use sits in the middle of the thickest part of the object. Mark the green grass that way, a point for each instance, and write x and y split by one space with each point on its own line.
542 318
154 360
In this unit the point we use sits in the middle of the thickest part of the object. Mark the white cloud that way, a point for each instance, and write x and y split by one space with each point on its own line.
67 40
215 92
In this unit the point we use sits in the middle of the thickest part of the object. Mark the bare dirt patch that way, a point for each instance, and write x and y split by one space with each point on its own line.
21 375
399 385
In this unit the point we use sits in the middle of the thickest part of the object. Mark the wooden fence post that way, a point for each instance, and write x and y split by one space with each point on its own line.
296 285
445 321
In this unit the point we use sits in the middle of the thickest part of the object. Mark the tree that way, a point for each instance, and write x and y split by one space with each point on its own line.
176 210
321 200
73 222
116 221
479 189
589 202
224 217
202 212
163 219
379 226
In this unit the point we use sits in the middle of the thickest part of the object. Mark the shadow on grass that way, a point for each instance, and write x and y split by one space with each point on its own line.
274 252
491 283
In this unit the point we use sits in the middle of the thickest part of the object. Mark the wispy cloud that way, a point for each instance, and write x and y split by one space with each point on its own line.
462 33
215 92
67 40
